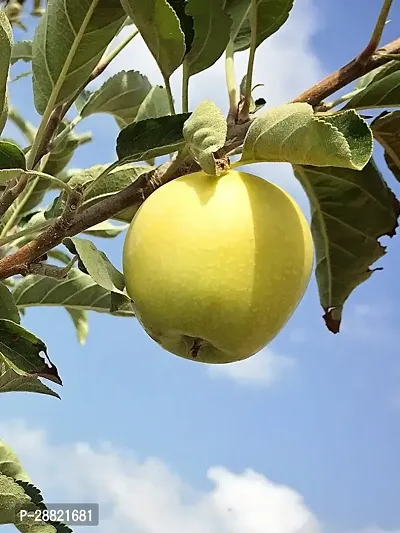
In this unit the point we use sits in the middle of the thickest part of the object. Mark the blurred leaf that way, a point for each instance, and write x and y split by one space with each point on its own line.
293 133
351 210
121 96
59 255
31 525
21 350
109 184
10 465
21 51
81 100
96 264
186 22
386 130
151 138
12 498
80 320
380 88
271 15
10 381
211 34
68 44
77 291
205 133
63 153
105 229
159 26
11 156
8 308
154 105
16 495
6 42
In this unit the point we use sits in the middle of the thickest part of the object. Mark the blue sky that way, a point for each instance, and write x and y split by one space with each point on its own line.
303 437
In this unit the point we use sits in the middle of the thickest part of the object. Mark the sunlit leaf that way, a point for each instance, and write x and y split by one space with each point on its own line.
121 96
205 133
80 320
78 291
293 133
380 88
159 26
69 41
21 51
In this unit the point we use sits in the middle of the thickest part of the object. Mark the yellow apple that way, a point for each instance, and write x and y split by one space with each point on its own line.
216 266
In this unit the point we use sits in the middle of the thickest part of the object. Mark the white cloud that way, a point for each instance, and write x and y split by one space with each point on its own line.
263 369
370 323
147 497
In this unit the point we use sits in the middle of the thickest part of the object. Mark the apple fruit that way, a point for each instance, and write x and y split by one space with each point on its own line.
216 266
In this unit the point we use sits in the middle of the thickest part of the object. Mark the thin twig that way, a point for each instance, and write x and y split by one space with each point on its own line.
376 37
244 112
20 261
11 193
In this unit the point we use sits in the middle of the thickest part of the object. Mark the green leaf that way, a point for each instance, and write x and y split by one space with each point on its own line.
105 229
205 133
121 96
96 264
12 499
10 465
186 22
77 291
15 496
4 114
293 133
69 41
154 105
80 320
8 307
6 42
21 350
377 74
11 156
37 503
351 210
151 138
21 51
271 15
238 11
10 381
159 26
6 175
107 184
386 129
211 34
380 88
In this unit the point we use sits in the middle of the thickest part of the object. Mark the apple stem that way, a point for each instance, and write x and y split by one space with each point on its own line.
195 348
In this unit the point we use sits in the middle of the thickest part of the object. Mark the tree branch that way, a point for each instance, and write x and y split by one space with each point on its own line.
11 193
137 192
20 262
347 74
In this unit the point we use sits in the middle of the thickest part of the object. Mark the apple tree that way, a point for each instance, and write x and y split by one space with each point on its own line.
46 251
